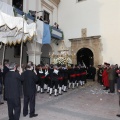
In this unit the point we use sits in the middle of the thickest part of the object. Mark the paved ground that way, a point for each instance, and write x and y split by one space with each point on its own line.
83 103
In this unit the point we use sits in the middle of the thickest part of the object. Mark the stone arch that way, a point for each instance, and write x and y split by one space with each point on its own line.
88 47
86 56
93 43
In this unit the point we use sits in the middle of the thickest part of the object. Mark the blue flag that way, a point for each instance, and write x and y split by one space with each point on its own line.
46 34
43 33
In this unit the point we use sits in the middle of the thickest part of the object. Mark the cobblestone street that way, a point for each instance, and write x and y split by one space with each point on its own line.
84 103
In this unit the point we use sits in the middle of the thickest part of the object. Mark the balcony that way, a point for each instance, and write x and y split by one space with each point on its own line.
19 12
56 33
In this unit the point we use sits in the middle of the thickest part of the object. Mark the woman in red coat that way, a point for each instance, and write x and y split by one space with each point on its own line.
105 76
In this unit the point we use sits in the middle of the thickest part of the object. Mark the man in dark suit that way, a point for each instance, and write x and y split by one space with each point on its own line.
13 92
99 74
5 70
118 88
1 84
92 72
29 89
111 77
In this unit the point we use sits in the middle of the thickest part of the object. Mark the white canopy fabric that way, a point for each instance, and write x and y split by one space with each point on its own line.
11 29
6 8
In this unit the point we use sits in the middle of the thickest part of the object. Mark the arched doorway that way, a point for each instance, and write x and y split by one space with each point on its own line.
85 56
45 58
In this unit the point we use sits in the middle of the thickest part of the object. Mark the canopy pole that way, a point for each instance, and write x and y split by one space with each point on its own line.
3 55
21 49
34 54
35 42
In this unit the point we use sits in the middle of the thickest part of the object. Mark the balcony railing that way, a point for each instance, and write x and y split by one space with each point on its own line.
19 12
56 33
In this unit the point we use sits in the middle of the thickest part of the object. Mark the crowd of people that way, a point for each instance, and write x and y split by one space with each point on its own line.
52 79
56 25
107 76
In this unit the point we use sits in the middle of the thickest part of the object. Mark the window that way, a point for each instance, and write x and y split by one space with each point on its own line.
18 4
46 17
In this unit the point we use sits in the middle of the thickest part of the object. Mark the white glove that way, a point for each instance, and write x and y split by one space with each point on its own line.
40 71
46 73
55 71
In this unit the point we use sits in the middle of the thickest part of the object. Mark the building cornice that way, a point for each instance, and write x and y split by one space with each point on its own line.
85 38
55 2
32 53
45 4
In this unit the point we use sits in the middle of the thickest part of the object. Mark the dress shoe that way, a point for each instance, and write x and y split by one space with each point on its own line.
111 92
34 115
106 88
65 91
118 115
25 115
1 103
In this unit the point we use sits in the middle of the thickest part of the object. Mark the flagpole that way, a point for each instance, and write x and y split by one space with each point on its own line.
21 51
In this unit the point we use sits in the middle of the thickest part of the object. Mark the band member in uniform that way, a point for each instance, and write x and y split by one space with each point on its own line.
47 78
60 79
65 78
77 75
29 89
54 78
13 92
72 77
83 75
41 76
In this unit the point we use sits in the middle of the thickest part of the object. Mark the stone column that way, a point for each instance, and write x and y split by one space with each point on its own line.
32 50
37 57
74 61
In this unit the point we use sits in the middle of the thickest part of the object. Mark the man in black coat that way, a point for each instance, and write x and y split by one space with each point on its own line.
29 90
93 72
5 70
13 92
118 88
1 85
99 74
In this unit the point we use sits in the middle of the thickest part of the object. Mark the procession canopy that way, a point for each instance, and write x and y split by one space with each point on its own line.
13 30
